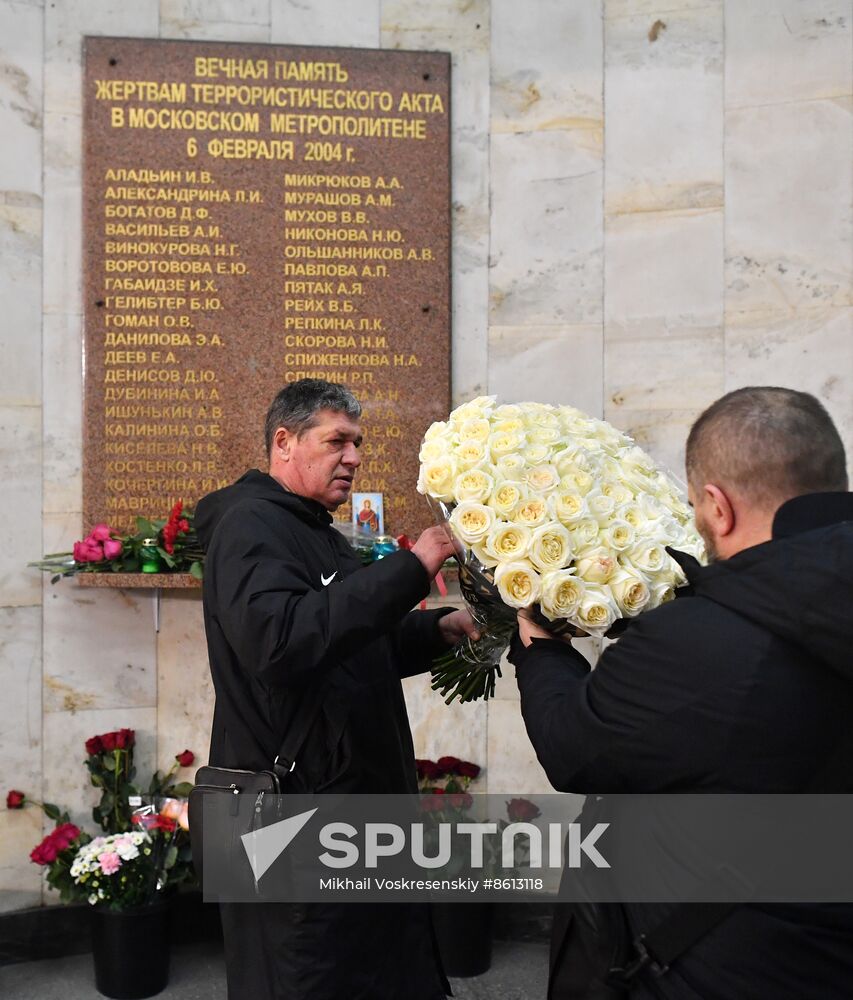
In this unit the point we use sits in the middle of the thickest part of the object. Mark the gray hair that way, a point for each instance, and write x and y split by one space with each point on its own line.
768 444
297 405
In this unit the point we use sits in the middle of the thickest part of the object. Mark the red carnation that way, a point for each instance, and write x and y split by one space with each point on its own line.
15 799
465 769
185 758
522 810
94 746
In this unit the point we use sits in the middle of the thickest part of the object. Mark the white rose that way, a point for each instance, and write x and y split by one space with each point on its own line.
597 610
439 429
630 591
531 512
437 478
662 593
475 429
537 454
508 542
632 513
618 535
512 425
600 506
561 594
568 507
544 435
518 584
584 534
617 491
506 497
540 415
651 506
470 454
434 449
473 485
506 443
471 522
550 547
578 481
507 411
596 566
510 467
649 557
542 478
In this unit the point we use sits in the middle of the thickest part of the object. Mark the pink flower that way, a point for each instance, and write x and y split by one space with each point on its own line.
100 533
112 548
110 862
88 551
184 818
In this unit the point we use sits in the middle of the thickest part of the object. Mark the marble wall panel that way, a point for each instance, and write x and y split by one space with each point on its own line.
99 649
20 292
546 244
184 688
512 764
20 879
220 20
460 27
350 23
20 503
789 191
548 364
65 25
62 426
66 780
20 97
786 50
441 730
553 86
652 8
811 351
664 111
63 232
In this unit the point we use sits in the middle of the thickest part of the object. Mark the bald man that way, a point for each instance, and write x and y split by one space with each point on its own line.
744 684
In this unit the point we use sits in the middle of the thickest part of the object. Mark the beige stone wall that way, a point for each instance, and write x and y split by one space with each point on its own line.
645 216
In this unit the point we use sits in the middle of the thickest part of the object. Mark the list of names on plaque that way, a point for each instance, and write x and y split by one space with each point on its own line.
254 215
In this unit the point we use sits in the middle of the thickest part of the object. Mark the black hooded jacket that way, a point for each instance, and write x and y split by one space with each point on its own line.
743 685
287 606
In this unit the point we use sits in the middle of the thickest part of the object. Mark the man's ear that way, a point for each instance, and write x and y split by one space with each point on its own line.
719 510
282 443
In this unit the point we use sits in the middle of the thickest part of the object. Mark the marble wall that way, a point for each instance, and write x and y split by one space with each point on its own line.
651 206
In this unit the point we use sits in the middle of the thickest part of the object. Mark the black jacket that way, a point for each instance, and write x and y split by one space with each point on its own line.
744 685
287 606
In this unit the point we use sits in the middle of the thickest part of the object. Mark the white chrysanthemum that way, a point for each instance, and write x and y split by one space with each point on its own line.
471 522
561 594
518 583
550 547
473 485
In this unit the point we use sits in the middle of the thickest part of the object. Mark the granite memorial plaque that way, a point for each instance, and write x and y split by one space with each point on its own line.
255 214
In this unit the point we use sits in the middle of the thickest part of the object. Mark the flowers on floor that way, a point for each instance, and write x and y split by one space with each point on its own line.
143 847
553 511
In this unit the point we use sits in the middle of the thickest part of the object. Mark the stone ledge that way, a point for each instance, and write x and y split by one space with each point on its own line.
183 581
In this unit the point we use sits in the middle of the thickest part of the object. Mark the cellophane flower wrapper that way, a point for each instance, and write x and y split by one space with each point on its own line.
554 512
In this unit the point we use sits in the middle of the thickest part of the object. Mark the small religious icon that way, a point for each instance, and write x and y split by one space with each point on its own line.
367 513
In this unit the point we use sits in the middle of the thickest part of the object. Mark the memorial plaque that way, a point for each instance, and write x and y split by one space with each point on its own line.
255 214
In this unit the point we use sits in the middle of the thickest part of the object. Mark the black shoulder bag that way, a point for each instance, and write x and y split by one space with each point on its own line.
222 783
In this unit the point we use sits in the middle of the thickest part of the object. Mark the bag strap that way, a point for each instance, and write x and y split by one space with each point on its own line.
297 732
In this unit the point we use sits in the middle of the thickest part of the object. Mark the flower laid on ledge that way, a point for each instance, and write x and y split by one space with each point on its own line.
150 830
158 546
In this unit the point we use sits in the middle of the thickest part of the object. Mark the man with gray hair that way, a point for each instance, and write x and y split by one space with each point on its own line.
290 615
743 684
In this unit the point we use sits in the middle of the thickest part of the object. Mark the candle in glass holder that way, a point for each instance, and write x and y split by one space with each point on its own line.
149 557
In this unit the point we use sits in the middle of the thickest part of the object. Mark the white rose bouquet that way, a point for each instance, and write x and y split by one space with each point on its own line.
554 511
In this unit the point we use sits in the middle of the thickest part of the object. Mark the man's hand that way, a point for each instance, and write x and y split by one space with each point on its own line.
455 626
529 630
432 548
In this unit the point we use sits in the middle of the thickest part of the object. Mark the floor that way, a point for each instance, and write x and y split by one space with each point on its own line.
519 972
